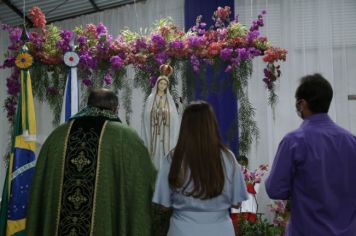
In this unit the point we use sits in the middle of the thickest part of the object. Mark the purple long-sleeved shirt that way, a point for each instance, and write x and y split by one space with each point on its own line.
315 168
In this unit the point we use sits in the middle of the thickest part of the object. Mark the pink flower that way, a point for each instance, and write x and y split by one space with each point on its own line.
38 17
91 29
223 13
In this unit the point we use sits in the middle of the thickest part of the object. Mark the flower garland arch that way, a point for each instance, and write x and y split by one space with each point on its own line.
103 60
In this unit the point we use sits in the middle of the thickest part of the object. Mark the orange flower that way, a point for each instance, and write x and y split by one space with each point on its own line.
214 49
23 60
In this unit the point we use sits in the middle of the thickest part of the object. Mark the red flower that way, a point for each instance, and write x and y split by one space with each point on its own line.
250 188
214 49
275 54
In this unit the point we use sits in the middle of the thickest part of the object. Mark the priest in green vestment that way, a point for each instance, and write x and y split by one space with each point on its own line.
93 176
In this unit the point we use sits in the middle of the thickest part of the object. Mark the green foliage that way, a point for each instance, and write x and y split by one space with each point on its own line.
141 80
248 127
259 228
48 84
126 98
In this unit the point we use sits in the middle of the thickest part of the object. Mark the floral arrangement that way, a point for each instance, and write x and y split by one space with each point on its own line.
281 213
255 177
103 59
261 227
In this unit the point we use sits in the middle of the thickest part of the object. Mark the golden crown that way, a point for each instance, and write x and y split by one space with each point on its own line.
166 70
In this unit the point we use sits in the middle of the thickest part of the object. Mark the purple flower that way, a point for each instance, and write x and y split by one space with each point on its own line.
15 74
66 35
116 62
267 73
13 86
107 79
226 53
264 12
108 38
87 82
235 61
195 63
15 35
13 47
254 26
243 54
268 82
158 40
268 78
254 52
161 57
102 48
176 44
10 106
153 80
88 61
63 45
101 29
195 41
252 35
201 31
9 62
82 40
36 39
140 44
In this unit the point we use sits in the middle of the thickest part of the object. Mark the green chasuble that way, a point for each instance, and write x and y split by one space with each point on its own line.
93 176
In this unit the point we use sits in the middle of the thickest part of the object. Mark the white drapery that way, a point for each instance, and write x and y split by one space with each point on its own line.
320 36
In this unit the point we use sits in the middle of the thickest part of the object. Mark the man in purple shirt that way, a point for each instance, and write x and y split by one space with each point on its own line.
315 167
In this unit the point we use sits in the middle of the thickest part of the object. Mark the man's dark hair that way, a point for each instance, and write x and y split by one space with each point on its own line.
103 99
317 91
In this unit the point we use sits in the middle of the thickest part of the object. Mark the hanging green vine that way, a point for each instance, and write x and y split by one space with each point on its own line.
247 125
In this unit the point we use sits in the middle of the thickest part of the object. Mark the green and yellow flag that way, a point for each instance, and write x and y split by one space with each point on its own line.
22 159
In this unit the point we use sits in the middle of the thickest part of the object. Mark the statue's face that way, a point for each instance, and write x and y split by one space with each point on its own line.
162 85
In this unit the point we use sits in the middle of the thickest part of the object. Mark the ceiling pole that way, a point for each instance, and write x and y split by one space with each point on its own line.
121 3
94 5
17 11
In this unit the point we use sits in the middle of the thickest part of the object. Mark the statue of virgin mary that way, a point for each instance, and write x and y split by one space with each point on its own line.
160 121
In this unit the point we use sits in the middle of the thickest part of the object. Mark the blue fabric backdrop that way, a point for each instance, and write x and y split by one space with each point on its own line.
219 86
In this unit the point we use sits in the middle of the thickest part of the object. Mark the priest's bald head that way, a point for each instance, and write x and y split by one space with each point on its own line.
104 99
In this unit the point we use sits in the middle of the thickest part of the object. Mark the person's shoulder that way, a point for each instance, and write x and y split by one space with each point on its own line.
229 157
295 134
127 133
119 127
344 131
60 130
57 135
345 134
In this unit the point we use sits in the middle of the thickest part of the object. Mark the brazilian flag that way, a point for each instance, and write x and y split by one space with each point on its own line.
22 161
